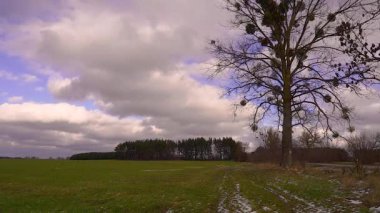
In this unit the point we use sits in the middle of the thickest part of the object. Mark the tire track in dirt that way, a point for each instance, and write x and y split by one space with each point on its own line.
231 199
304 205
300 204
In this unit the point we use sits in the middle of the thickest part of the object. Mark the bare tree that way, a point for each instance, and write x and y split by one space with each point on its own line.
296 57
364 141
270 139
310 139
364 148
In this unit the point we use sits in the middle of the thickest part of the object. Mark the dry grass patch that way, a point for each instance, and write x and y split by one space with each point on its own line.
373 198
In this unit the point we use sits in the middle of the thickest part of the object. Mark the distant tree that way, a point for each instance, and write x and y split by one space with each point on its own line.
240 153
364 141
121 147
310 139
187 149
296 57
365 147
150 149
270 139
224 148
95 156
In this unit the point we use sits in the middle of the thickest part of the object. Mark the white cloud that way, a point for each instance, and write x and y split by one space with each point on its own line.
39 89
64 126
58 85
28 78
8 75
15 99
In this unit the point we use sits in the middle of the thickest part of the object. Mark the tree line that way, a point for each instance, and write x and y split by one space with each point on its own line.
200 148
311 146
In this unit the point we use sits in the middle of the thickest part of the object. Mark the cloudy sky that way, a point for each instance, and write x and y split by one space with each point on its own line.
79 76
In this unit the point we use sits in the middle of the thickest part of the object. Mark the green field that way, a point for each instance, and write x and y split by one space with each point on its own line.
167 186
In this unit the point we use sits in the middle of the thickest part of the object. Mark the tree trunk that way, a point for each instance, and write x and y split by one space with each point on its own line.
287 127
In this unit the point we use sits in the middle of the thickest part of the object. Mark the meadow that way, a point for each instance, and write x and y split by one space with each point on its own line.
177 186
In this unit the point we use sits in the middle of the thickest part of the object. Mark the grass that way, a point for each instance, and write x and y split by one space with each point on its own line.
159 186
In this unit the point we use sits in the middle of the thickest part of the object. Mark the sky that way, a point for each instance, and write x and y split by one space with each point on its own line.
82 76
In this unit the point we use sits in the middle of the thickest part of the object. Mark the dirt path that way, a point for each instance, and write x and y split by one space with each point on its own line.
337 204
302 205
231 199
